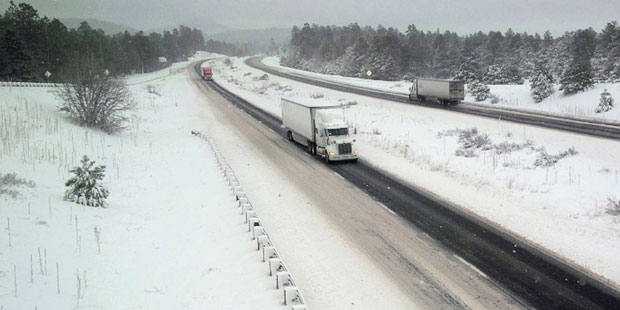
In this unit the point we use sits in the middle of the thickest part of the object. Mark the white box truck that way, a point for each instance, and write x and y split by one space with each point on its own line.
445 91
319 125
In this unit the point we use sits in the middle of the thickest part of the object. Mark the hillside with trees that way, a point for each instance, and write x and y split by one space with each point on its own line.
575 60
30 45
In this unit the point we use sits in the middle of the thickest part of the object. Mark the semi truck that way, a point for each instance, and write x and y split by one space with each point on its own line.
207 73
318 124
445 91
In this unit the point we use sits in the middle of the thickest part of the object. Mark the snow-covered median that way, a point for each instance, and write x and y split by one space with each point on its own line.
517 97
556 189
171 237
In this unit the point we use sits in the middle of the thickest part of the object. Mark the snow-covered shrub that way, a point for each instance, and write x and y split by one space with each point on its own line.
613 206
9 181
495 99
541 86
471 138
96 100
509 147
606 102
546 160
479 90
228 62
85 187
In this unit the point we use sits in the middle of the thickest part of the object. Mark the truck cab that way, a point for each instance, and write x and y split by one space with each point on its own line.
207 74
334 142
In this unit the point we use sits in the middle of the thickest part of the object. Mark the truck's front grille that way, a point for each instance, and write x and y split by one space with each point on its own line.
344 148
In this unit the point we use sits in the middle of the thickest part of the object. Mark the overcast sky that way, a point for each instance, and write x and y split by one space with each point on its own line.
455 15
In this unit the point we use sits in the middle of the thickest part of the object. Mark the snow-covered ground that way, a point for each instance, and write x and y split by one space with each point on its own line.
171 237
511 179
581 105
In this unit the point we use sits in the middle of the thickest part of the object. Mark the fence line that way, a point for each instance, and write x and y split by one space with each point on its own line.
29 84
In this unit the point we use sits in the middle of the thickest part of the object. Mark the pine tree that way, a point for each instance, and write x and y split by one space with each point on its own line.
85 188
578 77
542 82
502 75
15 60
606 102
479 90
467 72
541 86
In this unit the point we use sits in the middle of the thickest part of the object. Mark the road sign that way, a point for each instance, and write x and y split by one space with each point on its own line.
369 73
47 74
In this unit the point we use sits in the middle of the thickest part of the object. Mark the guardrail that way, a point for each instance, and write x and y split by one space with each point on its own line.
283 279
29 84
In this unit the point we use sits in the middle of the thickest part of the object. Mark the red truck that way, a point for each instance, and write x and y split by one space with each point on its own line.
207 73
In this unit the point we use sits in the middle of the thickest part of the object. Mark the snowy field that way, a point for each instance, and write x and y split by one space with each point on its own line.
581 105
171 237
558 190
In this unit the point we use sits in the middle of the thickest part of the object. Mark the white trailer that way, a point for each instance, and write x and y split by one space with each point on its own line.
445 91
318 125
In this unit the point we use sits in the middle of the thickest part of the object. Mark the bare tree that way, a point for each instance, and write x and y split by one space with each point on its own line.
96 100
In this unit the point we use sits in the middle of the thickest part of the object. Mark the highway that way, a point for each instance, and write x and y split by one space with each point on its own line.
495 269
582 126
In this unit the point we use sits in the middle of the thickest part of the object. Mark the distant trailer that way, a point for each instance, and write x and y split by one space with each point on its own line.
207 73
445 91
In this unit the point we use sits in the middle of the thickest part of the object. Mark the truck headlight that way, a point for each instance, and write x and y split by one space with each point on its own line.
331 153
355 152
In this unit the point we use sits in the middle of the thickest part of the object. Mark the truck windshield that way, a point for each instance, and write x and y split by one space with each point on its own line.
338 132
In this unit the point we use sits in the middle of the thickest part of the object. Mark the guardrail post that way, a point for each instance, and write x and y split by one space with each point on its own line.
269 252
243 201
249 214
291 295
253 222
283 278
262 241
257 230
275 265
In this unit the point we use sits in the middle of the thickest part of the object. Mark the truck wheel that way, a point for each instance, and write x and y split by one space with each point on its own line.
289 135
327 158
410 98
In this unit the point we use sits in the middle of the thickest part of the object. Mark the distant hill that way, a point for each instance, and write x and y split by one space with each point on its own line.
257 39
107 27
206 27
